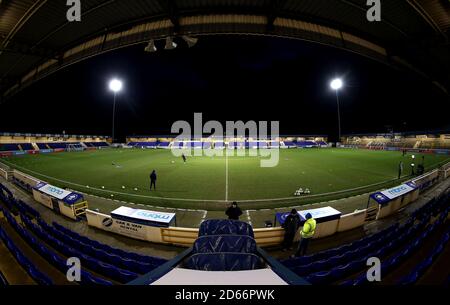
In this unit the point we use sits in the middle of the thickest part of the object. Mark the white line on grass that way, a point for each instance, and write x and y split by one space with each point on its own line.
226 176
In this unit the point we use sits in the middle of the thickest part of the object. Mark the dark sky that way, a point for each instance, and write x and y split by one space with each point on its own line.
228 78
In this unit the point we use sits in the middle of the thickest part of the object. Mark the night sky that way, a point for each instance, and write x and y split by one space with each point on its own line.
228 78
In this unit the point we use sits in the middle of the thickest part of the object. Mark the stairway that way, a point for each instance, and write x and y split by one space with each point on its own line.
371 213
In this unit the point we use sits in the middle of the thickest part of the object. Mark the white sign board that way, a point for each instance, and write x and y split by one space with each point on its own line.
54 191
320 212
128 214
397 191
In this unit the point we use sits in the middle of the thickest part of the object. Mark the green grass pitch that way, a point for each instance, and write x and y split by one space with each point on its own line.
208 182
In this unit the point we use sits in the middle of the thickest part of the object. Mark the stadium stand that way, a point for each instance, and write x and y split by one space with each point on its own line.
26 264
305 144
143 144
395 242
219 145
422 267
96 144
9 147
54 243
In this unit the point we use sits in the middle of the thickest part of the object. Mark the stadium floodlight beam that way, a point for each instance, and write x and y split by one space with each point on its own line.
337 84
115 86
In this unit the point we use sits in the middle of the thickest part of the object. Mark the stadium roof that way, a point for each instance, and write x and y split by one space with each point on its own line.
36 38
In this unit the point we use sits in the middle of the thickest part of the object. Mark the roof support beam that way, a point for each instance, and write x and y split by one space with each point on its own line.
422 12
31 11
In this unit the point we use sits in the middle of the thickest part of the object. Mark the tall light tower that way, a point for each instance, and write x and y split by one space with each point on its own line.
115 86
337 84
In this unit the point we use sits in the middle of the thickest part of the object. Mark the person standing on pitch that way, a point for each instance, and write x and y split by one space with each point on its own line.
306 234
184 157
233 212
400 169
153 180
290 225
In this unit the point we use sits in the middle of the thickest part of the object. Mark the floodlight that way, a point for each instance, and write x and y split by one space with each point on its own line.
336 84
170 44
150 47
115 85
191 41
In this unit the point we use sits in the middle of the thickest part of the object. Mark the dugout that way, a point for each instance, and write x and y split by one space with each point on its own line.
61 201
393 199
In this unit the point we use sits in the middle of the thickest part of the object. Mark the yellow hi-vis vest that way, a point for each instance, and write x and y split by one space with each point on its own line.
308 228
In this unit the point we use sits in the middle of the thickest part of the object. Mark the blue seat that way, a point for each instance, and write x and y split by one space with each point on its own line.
225 226
223 261
89 279
410 279
321 277
126 276
39 277
224 243
303 270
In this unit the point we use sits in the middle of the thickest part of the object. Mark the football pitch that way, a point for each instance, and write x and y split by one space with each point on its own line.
208 183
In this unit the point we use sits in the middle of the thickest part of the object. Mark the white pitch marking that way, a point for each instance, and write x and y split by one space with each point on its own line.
226 176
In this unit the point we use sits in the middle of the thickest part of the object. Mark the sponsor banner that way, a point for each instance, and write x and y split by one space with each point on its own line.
145 217
320 215
45 151
131 229
18 153
73 198
32 152
53 191
393 193
59 150
6 154
43 199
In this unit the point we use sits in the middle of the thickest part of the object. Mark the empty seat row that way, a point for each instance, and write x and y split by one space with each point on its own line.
49 255
396 259
53 258
225 261
422 267
108 270
352 260
99 254
224 243
308 259
26 264
156 261
225 227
